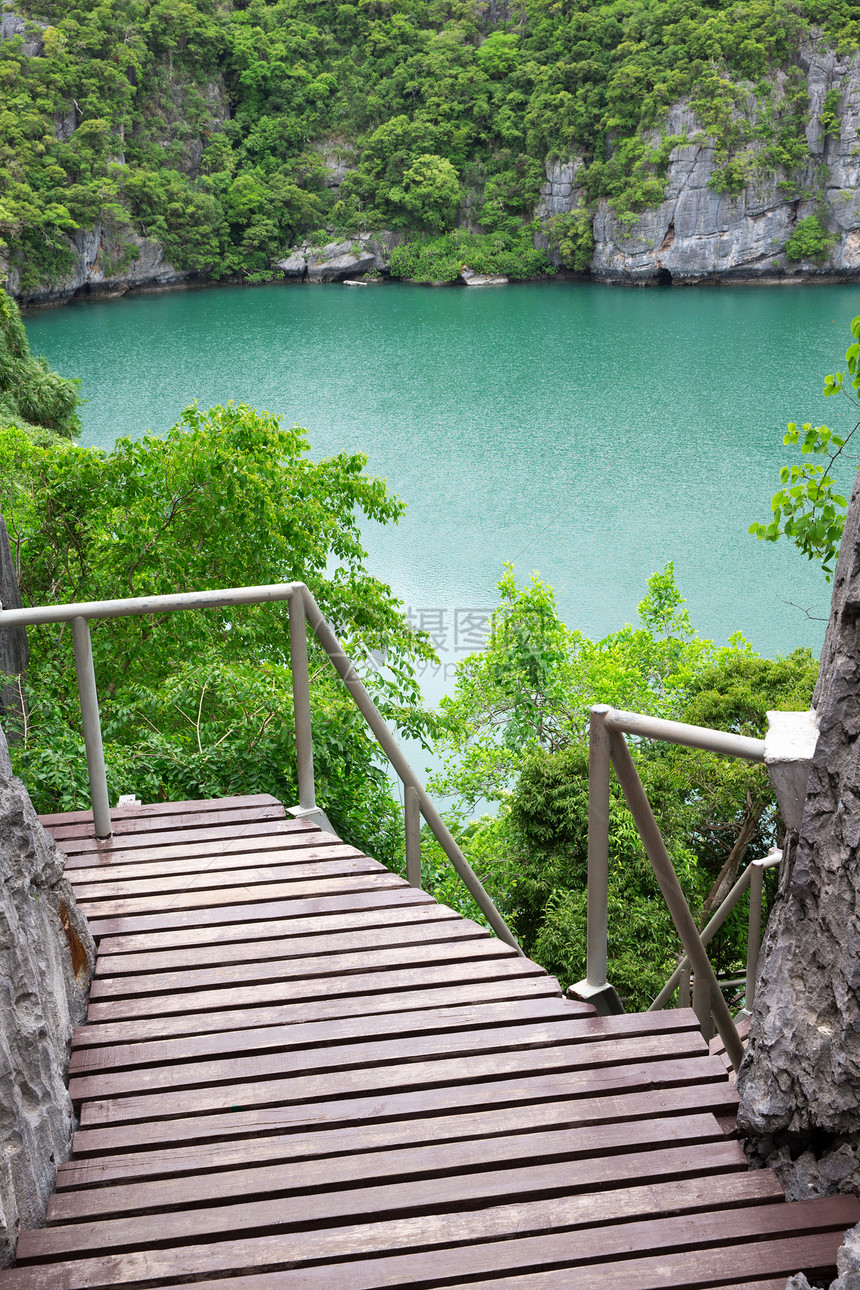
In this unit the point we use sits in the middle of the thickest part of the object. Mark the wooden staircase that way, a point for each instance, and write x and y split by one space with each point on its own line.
300 1073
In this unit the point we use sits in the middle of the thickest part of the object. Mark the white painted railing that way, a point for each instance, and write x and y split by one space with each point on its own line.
607 750
303 609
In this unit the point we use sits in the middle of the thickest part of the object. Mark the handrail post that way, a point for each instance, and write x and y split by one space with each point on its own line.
595 989
345 669
89 700
756 870
673 894
412 821
302 702
702 1007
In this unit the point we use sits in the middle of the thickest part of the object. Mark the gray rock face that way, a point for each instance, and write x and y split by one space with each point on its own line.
801 1075
338 159
46 956
560 193
848 1262
108 261
338 260
697 234
11 25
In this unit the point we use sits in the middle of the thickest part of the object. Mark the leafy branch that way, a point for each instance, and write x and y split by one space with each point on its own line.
808 509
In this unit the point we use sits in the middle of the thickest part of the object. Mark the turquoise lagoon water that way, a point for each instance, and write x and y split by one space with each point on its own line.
587 432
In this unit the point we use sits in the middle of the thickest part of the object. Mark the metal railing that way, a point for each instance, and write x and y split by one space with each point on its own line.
303 609
607 750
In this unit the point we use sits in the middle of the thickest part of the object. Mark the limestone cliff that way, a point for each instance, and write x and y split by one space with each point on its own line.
107 261
698 234
702 231
46 956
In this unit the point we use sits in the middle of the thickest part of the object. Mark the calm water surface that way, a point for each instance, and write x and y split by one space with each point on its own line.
588 432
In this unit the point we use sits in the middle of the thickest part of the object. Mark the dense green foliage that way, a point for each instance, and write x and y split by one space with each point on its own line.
32 397
204 123
440 259
808 508
198 704
517 737
809 241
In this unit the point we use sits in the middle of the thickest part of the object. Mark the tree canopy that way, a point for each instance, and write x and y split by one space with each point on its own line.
32 396
516 736
198 704
206 125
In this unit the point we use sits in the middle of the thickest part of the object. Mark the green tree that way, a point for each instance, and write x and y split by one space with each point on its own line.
431 191
808 509
809 241
516 734
198 704
32 396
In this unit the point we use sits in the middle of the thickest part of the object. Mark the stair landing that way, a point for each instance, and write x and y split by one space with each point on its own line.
299 1073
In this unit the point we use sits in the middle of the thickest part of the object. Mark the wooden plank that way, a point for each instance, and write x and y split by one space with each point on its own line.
102 880
315 1033
373 876
680 1271
452 1072
814 1254
195 845
584 1119
655 1271
611 1144
680 1251
293 989
134 833
314 871
206 1173
586 1041
296 1060
370 919
500 986
701 1078
487 1225
637 1171
279 946
464 952
149 810
396 891
176 847
629 1113
78 839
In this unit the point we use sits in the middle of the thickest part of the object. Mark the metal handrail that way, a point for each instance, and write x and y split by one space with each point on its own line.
751 879
607 749
303 608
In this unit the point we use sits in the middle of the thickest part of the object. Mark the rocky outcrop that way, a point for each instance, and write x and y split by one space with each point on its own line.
801 1076
30 31
698 234
364 253
46 955
108 261
799 1083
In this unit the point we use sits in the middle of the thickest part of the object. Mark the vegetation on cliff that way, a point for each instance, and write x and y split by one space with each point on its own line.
205 125
32 396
